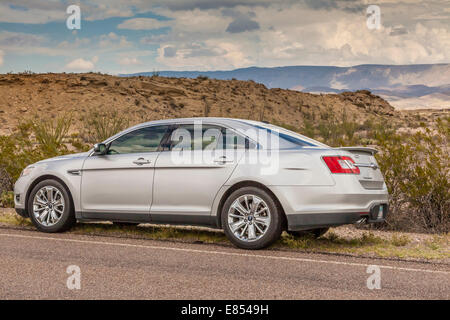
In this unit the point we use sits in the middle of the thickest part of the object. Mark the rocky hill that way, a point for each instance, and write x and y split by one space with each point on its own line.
416 86
24 96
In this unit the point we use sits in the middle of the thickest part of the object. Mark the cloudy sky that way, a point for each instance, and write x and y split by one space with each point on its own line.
124 36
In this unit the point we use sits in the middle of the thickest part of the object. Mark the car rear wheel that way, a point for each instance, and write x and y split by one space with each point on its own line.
251 219
50 207
316 233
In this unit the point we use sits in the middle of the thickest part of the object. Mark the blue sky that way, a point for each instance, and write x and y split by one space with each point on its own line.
119 36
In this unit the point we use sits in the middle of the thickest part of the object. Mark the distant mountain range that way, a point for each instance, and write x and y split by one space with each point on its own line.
420 86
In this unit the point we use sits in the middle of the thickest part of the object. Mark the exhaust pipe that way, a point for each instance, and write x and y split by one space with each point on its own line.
361 221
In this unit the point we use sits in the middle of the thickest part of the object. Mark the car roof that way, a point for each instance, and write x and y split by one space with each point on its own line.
206 119
230 122
240 125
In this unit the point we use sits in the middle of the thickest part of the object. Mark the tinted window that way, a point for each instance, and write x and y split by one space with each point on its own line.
231 140
138 141
195 137
286 139
209 137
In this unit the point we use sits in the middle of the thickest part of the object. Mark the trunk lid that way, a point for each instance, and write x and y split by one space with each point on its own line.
364 157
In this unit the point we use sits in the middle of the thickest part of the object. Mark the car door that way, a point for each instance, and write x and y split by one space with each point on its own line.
118 185
190 172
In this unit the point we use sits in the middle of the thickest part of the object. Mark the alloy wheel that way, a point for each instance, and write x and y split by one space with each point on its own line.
48 205
249 218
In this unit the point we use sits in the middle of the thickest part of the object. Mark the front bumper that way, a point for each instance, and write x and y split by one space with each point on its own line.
20 193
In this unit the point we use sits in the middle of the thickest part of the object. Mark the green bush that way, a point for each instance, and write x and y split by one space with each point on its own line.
51 135
33 140
6 182
100 125
7 199
416 170
17 151
415 166
334 130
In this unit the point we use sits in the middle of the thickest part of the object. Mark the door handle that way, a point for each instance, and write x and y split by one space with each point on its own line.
222 160
141 161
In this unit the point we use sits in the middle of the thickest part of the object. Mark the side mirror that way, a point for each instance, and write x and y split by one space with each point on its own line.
100 148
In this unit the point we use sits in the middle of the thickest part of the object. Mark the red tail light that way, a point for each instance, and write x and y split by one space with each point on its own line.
338 164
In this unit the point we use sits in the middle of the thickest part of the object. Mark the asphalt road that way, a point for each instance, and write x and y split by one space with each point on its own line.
34 266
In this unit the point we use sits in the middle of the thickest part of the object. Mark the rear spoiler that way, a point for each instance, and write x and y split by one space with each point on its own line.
361 149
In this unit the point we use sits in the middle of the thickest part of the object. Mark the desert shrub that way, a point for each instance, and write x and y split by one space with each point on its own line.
33 140
308 128
416 170
6 182
415 167
17 151
332 129
100 125
51 134
7 199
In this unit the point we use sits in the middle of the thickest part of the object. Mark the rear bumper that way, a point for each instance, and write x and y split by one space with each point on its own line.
305 221
323 206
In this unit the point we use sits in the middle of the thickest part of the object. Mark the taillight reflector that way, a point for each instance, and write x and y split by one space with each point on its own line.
338 164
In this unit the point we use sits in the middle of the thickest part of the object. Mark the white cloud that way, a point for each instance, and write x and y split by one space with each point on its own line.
112 41
1 57
290 33
82 65
19 39
142 24
32 15
126 61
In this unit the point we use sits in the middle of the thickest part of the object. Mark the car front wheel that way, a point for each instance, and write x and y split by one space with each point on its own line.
251 219
50 207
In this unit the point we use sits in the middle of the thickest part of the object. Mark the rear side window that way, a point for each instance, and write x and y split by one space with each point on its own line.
285 140
205 137
194 137
289 142
138 141
232 140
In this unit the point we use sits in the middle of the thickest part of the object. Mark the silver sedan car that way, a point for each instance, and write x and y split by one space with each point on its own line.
250 178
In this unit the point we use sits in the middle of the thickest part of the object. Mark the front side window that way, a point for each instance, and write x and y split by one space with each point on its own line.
138 141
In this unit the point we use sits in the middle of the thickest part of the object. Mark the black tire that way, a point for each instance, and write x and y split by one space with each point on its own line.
316 233
125 224
272 232
67 219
